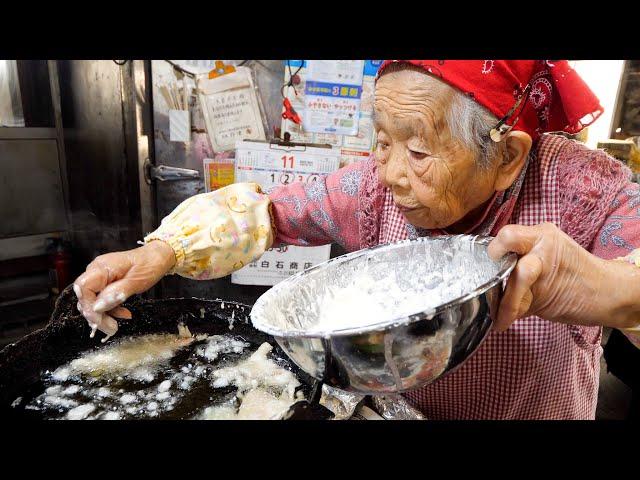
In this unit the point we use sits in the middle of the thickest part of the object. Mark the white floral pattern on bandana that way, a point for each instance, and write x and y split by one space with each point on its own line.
487 66
541 96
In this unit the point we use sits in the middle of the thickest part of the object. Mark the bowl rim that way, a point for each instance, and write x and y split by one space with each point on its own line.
508 264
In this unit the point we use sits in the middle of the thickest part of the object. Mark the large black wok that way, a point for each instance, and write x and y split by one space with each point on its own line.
67 334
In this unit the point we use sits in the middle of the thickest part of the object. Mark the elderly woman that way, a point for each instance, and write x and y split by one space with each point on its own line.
462 148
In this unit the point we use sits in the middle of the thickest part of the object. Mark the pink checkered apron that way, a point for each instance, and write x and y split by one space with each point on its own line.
536 369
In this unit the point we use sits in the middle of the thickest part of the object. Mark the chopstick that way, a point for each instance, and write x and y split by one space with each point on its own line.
176 96
167 97
172 95
185 94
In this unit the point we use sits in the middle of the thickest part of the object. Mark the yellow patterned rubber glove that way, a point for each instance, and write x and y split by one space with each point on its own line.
214 234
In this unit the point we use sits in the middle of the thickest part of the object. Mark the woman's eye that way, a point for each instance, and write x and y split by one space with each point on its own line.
381 151
418 155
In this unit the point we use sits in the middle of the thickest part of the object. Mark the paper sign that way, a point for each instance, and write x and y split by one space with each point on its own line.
271 165
218 173
355 147
350 156
341 72
328 138
363 140
231 109
333 89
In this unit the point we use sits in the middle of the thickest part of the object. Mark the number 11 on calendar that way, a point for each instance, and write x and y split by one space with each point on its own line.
290 160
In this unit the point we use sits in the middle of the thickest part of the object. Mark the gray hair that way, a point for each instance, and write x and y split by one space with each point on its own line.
468 121
470 124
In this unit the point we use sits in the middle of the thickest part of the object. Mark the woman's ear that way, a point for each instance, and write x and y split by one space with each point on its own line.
518 146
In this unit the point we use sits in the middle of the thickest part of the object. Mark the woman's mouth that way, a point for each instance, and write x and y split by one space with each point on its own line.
404 209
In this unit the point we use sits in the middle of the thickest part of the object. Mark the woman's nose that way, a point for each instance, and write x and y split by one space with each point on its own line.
396 171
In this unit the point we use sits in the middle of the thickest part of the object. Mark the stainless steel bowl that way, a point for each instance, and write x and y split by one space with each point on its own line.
429 305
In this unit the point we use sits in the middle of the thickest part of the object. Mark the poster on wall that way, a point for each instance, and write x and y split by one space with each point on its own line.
355 147
231 109
271 165
333 89
218 171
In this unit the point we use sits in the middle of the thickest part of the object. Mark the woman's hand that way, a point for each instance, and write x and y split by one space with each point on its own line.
558 280
111 278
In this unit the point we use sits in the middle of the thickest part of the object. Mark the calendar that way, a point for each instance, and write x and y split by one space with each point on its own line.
271 165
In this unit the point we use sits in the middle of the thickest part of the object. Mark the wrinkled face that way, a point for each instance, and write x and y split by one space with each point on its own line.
435 180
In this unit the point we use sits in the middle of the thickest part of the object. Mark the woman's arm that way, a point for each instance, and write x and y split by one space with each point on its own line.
320 212
213 234
619 237
558 280
630 304
216 233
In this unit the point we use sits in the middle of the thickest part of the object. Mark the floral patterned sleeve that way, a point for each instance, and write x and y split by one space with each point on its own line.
619 237
213 234
321 212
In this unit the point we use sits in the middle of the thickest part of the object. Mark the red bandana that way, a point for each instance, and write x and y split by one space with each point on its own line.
557 98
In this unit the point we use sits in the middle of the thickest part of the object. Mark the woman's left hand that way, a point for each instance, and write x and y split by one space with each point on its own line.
556 279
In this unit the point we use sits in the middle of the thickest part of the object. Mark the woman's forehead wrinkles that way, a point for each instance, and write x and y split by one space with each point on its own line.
408 119
414 125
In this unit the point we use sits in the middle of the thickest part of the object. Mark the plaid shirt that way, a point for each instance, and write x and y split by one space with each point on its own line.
536 369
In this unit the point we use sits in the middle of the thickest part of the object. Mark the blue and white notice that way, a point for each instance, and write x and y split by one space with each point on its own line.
333 91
